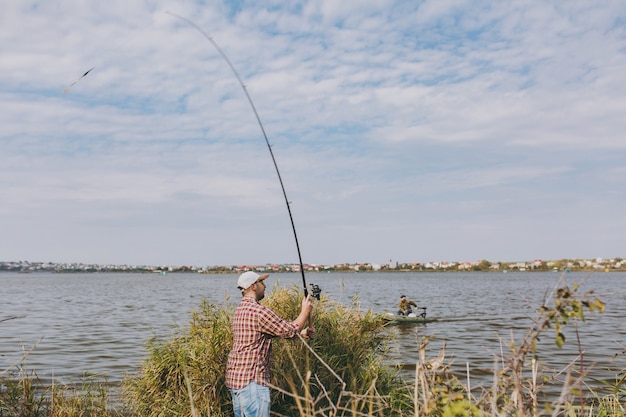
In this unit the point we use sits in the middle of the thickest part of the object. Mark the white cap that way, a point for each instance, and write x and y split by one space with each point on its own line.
248 278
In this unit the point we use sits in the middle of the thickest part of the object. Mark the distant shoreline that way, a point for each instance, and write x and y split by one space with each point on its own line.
232 272
562 265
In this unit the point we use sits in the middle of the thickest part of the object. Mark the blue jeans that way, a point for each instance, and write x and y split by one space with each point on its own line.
251 401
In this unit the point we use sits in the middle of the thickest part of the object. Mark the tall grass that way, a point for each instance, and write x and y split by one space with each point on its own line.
195 360
22 394
342 369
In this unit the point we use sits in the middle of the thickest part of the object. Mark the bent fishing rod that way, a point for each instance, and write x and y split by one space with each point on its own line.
315 289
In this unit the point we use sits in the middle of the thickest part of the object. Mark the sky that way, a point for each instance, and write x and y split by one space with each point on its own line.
410 131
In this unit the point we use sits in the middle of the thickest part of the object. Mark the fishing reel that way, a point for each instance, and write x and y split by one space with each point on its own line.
316 291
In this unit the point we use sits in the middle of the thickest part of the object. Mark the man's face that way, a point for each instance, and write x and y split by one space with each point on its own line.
259 290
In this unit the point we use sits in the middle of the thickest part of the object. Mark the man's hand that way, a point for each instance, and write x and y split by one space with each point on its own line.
305 313
308 333
307 305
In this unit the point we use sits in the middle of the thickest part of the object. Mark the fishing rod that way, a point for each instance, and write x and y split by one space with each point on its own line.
315 289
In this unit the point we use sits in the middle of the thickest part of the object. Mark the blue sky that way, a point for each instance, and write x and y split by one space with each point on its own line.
412 131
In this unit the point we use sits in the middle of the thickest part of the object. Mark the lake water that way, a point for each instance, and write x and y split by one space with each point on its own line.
99 323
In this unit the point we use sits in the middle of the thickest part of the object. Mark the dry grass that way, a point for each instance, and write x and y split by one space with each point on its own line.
22 394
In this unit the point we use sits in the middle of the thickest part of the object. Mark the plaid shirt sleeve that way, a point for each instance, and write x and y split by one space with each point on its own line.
254 326
271 324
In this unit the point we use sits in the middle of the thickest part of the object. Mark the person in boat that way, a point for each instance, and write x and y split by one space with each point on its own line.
404 306
254 327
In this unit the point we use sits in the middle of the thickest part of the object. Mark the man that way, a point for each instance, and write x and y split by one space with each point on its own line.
254 326
404 306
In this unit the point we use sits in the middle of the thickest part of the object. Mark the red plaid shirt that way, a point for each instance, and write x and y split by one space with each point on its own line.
254 326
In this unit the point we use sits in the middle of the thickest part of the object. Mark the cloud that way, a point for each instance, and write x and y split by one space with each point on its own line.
413 131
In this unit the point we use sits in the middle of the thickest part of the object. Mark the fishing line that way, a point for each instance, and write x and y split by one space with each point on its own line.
315 289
